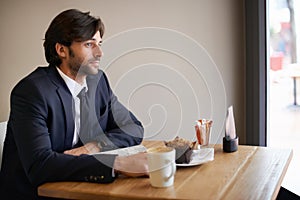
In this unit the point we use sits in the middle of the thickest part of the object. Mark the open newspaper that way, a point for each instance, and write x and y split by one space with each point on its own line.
127 151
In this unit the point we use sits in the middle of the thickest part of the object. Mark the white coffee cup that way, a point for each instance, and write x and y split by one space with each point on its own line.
162 167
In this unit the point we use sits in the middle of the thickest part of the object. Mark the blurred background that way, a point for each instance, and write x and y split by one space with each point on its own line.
284 83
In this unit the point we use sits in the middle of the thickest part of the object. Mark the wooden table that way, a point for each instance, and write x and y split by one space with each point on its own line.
250 173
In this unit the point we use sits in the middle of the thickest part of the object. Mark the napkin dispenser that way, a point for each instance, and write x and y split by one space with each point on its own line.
231 140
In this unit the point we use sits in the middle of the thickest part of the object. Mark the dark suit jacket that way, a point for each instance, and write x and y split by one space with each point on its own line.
41 127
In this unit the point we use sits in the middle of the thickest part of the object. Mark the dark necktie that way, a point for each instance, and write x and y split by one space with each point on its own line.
84 114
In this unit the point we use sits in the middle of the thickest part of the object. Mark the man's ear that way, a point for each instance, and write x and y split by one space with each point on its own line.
61 50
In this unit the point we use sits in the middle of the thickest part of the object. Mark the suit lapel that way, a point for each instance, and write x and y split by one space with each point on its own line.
67 102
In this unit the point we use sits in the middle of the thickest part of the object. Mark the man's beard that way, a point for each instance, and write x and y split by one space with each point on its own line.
78 65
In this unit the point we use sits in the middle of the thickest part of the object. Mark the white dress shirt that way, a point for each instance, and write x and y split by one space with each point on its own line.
74 88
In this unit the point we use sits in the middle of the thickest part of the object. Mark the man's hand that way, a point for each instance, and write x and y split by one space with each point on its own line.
133 165
91 147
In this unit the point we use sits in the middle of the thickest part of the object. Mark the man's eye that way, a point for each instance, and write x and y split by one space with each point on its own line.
88 44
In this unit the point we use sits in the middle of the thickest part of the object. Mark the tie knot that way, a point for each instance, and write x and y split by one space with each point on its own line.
82 93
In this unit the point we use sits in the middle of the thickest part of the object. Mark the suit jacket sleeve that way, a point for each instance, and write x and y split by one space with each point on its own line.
30 117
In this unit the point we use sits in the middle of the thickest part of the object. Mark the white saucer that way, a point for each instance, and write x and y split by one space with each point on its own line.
199 157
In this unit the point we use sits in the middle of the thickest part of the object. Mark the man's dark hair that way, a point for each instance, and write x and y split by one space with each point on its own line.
67 27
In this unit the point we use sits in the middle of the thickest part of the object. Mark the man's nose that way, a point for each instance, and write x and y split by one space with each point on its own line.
98 52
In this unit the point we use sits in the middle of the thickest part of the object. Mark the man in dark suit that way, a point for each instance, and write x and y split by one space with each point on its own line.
48 139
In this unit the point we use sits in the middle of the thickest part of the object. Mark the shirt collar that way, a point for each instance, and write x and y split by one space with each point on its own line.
72 85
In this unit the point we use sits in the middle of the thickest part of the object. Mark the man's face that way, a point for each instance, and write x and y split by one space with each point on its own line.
84 57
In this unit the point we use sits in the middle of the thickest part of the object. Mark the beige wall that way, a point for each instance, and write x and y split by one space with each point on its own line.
171 94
